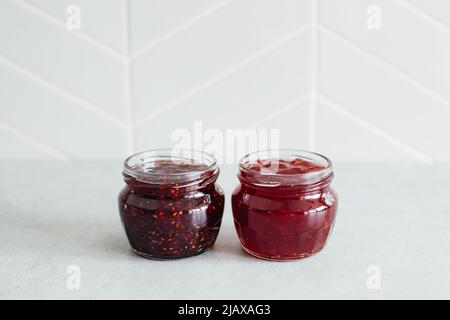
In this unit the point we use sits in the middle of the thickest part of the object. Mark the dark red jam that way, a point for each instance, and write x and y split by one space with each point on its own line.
284 208
171 207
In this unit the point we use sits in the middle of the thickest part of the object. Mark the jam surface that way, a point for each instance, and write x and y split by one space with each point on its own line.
282 166
171 218
168 167
282 221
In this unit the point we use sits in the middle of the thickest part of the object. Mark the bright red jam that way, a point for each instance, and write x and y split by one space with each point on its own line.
284 208
170 209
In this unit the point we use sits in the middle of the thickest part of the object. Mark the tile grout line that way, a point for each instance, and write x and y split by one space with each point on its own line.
421 14
221 75
76 33
130 138
385 65
279 111
375 130
99 44
315 95
67 95
314 76
184 26
27 138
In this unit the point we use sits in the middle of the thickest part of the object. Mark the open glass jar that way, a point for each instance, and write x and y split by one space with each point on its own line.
171 206
284 207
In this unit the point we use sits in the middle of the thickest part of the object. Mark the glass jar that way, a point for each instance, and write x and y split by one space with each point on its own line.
284 207
171 206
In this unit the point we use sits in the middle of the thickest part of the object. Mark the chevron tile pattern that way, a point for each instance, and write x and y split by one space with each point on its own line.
139 69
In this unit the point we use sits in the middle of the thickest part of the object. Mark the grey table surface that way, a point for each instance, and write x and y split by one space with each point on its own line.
55 215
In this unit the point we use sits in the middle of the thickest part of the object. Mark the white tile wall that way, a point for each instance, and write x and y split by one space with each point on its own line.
139 69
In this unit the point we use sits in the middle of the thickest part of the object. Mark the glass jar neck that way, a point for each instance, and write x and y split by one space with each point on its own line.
280 184
314 172
169 184
166 169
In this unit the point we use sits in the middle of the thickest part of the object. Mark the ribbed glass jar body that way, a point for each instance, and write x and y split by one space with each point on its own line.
284 214
171 206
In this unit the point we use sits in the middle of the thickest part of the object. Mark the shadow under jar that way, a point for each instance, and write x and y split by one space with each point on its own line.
171 206
284 207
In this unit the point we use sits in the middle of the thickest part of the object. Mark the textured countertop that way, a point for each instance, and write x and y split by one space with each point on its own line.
393 218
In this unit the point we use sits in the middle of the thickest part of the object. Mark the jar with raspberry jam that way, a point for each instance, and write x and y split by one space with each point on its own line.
284 207
171 206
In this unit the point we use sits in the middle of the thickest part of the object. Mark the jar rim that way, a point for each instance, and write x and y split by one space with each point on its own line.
289 178
134 165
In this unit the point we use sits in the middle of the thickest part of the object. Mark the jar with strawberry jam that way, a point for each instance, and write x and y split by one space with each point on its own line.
284 207
171 206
